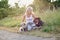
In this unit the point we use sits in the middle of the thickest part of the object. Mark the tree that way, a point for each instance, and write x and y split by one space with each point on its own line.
3 13
56 3
3 8
46 4
4 4
16 5
40 5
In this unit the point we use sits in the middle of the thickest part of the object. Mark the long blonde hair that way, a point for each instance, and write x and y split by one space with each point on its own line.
29 8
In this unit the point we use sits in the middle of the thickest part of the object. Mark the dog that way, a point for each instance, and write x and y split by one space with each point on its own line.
22 27
38 22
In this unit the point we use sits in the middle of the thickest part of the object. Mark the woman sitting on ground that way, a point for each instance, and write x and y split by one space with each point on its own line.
28 17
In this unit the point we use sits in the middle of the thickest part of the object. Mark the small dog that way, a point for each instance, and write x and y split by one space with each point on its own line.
22 27
38 22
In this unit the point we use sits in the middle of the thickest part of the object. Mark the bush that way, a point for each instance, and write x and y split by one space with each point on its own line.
51 20
48 28
3 13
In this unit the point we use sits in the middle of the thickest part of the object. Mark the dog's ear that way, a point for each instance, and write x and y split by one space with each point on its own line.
36 19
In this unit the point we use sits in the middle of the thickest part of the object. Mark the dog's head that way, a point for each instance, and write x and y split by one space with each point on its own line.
38 21
23 25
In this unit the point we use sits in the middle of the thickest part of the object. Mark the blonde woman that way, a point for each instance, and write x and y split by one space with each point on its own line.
28 17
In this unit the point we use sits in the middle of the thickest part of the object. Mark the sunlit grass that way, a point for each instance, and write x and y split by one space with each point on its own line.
51 22
10 21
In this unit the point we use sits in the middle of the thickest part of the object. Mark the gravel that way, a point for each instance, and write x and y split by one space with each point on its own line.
5 35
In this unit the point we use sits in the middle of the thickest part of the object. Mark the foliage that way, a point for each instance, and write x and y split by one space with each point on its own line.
57 2
11 17
11 21
51 20
5 10
3 13
40 5
4 4
16 11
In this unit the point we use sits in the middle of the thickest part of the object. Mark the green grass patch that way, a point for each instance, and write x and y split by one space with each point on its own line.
51 21
10 21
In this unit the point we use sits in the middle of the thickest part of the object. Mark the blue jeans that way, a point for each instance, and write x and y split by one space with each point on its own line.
30 25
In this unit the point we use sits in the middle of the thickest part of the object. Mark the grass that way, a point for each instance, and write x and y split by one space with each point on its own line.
51 20
10 21
51 23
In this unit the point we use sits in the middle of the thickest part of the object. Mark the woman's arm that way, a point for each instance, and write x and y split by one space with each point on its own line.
34 16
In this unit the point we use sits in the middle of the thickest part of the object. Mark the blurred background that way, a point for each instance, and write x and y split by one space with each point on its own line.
11 12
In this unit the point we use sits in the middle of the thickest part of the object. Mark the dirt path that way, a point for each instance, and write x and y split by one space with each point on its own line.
5 35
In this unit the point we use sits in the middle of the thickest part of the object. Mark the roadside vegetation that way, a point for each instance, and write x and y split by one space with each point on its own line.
12 17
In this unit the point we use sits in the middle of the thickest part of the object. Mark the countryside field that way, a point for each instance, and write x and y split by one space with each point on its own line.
11 17
51 23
